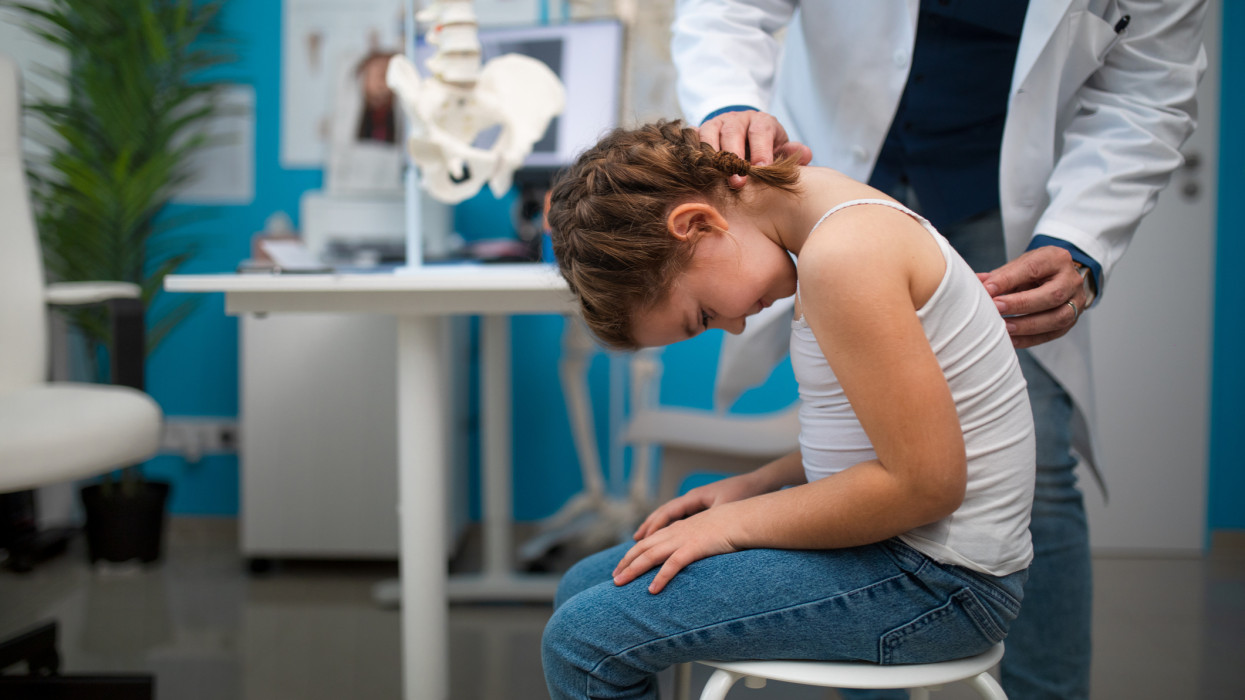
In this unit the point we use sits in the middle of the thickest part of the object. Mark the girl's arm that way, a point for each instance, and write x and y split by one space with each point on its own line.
862 277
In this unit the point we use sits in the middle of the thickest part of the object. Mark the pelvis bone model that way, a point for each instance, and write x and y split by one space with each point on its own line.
451 108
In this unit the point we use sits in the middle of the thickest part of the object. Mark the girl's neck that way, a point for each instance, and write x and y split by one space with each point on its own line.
788 219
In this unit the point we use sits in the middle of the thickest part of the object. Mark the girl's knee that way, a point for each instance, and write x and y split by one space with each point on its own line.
574 581
583 650
569 637
558 644
559 632
586 623
588 572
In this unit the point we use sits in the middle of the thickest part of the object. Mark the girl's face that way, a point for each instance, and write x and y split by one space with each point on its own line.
732 275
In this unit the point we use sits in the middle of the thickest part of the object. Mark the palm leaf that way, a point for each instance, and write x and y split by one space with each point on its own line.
121 145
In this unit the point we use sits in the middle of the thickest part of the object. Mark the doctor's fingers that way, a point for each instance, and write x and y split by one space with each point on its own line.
1028 341
1049 294
1038 280
728 132
795 147
1028 270
1034 329
749 134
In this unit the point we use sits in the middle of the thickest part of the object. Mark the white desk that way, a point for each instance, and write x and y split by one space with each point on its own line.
420 300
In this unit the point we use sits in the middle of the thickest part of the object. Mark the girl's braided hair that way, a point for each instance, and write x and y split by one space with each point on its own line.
608 213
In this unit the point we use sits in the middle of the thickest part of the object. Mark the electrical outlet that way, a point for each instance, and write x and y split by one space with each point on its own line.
227 437
195 436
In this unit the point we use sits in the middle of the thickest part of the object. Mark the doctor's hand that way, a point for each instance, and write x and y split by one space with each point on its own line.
677 545
754 136
1036 293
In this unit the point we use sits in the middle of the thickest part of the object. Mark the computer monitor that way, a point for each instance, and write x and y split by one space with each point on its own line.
588 58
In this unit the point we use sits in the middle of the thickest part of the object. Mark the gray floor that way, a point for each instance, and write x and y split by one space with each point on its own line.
1164 627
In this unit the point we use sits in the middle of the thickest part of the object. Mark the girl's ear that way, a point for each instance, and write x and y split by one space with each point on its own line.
689 220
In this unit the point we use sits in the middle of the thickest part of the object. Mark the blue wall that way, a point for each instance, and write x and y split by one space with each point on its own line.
195 371
1226 497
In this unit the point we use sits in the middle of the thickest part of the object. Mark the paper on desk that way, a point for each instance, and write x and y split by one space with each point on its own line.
291 255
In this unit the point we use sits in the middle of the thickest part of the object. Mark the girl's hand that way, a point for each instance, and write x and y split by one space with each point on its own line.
702 535
735 488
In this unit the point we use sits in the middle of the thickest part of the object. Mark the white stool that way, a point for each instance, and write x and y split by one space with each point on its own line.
920 678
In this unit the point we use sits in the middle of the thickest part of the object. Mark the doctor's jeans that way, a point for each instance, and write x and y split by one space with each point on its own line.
1048 648
884 603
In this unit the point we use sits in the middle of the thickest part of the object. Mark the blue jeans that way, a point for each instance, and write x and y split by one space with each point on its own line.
885 603
1048 649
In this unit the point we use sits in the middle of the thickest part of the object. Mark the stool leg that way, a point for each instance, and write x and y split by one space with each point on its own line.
989 688
683 681
719 685
918 694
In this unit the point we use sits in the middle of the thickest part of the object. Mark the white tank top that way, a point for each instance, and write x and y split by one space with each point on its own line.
989 532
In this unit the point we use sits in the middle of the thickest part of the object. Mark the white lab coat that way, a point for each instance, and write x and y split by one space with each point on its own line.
1095 117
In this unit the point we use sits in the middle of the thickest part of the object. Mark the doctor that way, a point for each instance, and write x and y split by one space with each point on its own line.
1034 135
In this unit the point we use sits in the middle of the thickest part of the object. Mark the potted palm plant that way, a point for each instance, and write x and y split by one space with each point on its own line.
118 148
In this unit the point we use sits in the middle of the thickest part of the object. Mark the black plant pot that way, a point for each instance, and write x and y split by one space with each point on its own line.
124 523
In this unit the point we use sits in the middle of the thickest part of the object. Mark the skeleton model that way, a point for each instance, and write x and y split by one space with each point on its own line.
448 110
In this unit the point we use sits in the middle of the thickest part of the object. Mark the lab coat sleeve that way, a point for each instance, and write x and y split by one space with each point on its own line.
1132 115
726 53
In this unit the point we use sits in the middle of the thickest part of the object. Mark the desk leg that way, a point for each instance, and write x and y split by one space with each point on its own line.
422 431
496 431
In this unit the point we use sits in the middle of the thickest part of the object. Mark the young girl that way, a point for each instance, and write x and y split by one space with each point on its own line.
903 536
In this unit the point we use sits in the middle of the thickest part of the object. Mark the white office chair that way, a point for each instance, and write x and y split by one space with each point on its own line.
52 432
698 440
919 678
55 432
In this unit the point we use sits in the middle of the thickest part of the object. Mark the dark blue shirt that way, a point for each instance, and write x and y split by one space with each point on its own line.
947 133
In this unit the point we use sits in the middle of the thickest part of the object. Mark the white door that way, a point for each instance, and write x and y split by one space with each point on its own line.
1152 351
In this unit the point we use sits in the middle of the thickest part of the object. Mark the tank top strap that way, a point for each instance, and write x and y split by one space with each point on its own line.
854 202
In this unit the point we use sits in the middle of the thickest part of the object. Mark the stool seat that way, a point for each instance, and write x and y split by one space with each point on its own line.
858 674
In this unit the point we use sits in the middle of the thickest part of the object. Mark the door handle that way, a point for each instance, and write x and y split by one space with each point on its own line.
1190 181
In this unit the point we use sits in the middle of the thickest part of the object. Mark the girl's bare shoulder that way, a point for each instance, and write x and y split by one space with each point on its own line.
861 246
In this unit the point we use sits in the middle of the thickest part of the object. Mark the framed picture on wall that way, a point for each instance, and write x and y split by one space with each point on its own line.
322 40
